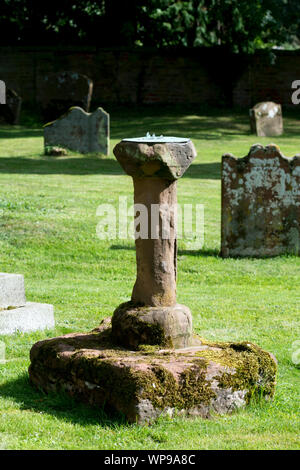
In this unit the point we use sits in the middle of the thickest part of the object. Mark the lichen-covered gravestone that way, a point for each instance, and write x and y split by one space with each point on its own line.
10 112
260 203
266 119
18 315
57 92
146 361
79 131
2 92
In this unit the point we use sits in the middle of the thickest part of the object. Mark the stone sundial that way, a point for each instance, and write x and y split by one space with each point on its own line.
145 361
155 163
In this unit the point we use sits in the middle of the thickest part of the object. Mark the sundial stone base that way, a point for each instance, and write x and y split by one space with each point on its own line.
17 315
133 326
143 384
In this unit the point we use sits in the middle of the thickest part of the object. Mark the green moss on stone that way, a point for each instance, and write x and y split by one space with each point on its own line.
255 369
130 330
161 388
148 348
100 372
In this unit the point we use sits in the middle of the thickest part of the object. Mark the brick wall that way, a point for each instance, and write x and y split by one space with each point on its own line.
262 81
199 76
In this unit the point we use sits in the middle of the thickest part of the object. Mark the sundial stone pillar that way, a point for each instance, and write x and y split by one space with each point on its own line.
155 372
153 316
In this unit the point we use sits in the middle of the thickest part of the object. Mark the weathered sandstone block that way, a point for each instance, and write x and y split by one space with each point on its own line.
198 381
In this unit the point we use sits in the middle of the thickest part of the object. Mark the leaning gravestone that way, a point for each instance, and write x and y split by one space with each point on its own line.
79 131
59 91
18 315
260 203
10 112
146 361
266 119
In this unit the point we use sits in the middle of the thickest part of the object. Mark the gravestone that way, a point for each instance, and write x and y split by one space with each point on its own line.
2 92
17 315
266 119
59 91
10 112
79 131
146 361
260 203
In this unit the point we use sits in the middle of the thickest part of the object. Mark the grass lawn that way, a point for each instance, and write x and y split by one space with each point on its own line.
48 233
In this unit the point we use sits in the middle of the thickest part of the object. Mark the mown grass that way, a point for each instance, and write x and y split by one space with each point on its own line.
48 233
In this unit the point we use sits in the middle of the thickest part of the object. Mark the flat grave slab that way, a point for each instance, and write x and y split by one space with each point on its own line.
32 316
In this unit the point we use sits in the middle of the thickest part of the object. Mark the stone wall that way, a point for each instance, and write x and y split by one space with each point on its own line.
198 76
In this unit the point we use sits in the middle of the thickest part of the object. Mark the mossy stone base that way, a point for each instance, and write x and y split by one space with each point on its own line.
200 380
169 327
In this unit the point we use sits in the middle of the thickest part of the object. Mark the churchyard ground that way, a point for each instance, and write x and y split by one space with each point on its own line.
48 233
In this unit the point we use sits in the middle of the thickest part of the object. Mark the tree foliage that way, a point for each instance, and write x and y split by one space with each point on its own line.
238 25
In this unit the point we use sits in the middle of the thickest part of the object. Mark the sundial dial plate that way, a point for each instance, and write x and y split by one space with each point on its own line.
157 139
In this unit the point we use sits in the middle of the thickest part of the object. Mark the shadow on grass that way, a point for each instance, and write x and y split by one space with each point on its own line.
89 165
60 405
210 171
198 128
194 126
213 124
203 253
52 166
195 122
18 132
